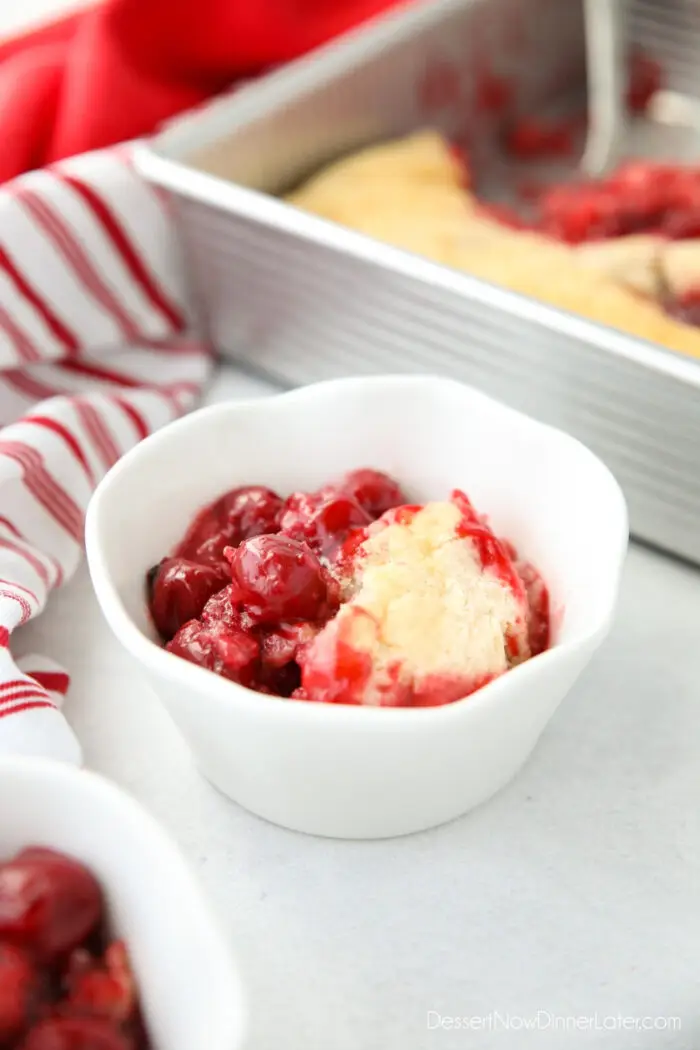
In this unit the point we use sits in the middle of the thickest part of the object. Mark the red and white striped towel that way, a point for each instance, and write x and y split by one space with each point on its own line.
96 351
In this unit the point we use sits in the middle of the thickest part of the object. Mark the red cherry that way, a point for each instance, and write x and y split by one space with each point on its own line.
680 227
278 578
494 94
18 989
644 179
77 1033
218 647
49 903
179 590
374 491
79 962
225 607
283 644
105 988
682 192
641 196
336 518
238 515
576 214
530 139
322 520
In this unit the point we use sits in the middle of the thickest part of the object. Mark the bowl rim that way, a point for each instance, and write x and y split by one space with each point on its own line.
126 813
180 672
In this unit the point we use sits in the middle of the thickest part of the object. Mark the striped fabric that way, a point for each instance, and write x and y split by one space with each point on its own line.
96 351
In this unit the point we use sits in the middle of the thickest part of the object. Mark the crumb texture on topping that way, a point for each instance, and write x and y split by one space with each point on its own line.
349 595
414 194
434 611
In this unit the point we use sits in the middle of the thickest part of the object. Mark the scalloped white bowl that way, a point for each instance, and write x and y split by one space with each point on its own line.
189 987
362 772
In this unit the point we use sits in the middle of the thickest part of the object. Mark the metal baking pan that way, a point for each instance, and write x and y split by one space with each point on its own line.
300 299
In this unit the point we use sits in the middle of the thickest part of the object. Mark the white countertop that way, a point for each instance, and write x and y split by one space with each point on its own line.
574 892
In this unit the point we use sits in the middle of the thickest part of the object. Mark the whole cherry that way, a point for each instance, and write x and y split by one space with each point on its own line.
322 520
102 987
18 988
252 510
225 607
375 491
219 647
179 590
49 903
282 644
278 579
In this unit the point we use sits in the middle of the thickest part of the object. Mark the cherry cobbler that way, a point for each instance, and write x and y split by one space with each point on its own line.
349 594
624 252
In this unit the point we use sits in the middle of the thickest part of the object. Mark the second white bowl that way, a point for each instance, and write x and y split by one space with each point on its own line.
189 988
359 772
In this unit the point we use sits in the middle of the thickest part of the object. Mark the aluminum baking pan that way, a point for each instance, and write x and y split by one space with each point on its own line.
300 299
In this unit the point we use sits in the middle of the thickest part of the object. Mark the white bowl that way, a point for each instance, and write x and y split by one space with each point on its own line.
189 988
344 771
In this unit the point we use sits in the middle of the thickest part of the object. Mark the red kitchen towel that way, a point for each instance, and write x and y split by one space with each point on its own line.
118 69
95 353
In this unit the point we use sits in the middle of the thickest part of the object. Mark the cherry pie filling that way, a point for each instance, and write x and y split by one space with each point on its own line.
64 983
641 197
268 593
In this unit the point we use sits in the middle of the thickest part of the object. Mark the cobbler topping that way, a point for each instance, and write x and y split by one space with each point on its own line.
557 243
352 595
435 606
640 226
64 984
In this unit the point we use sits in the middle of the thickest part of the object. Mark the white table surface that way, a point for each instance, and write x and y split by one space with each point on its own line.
572 894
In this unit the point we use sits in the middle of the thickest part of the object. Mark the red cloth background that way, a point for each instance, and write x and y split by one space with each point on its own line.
115 71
